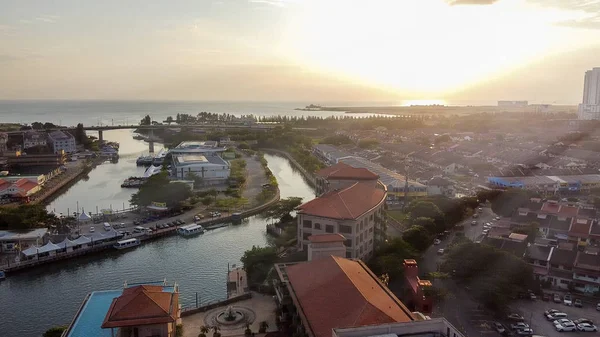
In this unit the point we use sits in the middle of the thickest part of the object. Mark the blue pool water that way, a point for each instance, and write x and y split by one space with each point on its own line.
91 316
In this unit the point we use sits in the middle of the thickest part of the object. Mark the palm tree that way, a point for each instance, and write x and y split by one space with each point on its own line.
203 331
263 327
248 331
216 330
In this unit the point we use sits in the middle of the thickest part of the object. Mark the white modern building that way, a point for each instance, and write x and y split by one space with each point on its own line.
62 141
589 108
212 169
197 147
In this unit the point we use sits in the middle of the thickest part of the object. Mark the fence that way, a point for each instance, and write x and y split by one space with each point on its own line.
191 311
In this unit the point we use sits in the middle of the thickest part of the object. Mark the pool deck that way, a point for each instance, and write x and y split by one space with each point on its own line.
89 319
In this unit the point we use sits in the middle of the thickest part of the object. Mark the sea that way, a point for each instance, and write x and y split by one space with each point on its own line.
90 112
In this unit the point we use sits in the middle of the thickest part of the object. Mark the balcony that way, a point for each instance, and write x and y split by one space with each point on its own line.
586 279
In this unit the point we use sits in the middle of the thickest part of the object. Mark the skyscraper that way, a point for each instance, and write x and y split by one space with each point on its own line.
590 107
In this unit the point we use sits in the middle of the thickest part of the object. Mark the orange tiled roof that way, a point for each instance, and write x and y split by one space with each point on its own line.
550 207
319 238
142 305
568 211
4 184
580 229
345 171
335 292
25 185
348 203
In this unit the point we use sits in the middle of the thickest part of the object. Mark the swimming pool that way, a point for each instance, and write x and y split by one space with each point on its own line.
89 321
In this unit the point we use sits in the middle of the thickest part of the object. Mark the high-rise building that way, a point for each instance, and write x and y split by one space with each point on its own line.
590 106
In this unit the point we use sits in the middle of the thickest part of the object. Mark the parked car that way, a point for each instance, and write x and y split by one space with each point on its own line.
440 251
532 296
568 326
556 315
519 326
499 327
525 332
516 317
92 229
586 327
562 321
437 241
474 223
545 297
583 320
557 298
578 303
598 306
550 312
568 300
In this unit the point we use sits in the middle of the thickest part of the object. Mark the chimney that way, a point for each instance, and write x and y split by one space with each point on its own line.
411 270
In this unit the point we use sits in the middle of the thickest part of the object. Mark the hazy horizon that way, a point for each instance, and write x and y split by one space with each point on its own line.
298 51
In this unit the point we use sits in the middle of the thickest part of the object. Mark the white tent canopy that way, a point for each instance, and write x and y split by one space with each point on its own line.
82 240
66 243
49 247
31 251
84 217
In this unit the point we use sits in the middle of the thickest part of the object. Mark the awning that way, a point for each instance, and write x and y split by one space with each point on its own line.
84 217
82 240
31 251
49 247
66 243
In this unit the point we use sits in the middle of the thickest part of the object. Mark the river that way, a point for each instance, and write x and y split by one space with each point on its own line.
34 300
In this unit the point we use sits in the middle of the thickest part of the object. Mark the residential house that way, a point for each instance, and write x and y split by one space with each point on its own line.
329 153
561 266
62 142
354 211
33 138
23 188
586 272
579 232
340 176
317 296
538 256
440 186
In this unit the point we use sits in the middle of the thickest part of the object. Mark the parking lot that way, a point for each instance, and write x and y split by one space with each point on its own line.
533 312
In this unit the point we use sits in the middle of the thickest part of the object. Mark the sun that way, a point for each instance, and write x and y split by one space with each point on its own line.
419 47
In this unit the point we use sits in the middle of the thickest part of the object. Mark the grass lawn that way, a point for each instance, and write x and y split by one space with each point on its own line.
398 215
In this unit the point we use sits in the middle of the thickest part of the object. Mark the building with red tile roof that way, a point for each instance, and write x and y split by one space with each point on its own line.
342 175
146 308
317 296
354 212
4 185
416 287
580 230
23 188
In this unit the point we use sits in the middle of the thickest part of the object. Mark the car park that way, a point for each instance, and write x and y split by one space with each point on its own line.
586 327
567 326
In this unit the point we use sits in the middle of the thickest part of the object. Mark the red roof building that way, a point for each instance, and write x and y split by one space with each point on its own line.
147 308
335 292
342 175
355 212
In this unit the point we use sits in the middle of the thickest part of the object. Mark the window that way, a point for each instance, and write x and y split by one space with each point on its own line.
371 217
307 224
329 228
564 282
317 225
306 235
349 255
345 229
348 243
371 230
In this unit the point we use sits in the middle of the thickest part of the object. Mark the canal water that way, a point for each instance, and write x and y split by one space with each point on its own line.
33 301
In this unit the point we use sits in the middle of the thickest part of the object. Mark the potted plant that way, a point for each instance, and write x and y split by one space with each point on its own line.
248 331
203 331
262 328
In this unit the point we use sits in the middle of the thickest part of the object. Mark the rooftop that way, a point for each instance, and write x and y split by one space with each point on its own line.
142 305
387 177
59 135
344 171
31 235
190 159
322 238
336 292
348 203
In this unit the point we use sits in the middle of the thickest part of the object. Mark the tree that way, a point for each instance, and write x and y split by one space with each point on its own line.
282 209
159 189
206 200
427 209
216 330
80 136
368 143
257 262
263 326
203 331
56 331
49 125
169 120
508 201
389 257
26 217
418 237
146 120
37 125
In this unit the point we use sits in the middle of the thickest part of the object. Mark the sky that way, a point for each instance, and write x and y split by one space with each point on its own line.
298 50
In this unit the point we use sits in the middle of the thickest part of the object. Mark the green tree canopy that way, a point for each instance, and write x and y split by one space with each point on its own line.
257 262
56 331
388 259
418 237
427 209
159 189
26 217
282 209
146 120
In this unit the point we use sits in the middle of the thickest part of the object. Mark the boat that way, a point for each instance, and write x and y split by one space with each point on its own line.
144 160
2 276
160 157
133 182
190 230
128 243
215 226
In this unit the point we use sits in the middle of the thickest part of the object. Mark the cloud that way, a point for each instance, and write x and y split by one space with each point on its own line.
590 8
276 3
471 2
40 19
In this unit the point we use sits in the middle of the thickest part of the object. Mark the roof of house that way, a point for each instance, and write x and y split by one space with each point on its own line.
538 252
142 305
4 184
439 181
25 184
321 238
595 230
580 228
588 261
550 207
335 292
587 213
517 237
345 171
563 257
347 203
560 225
